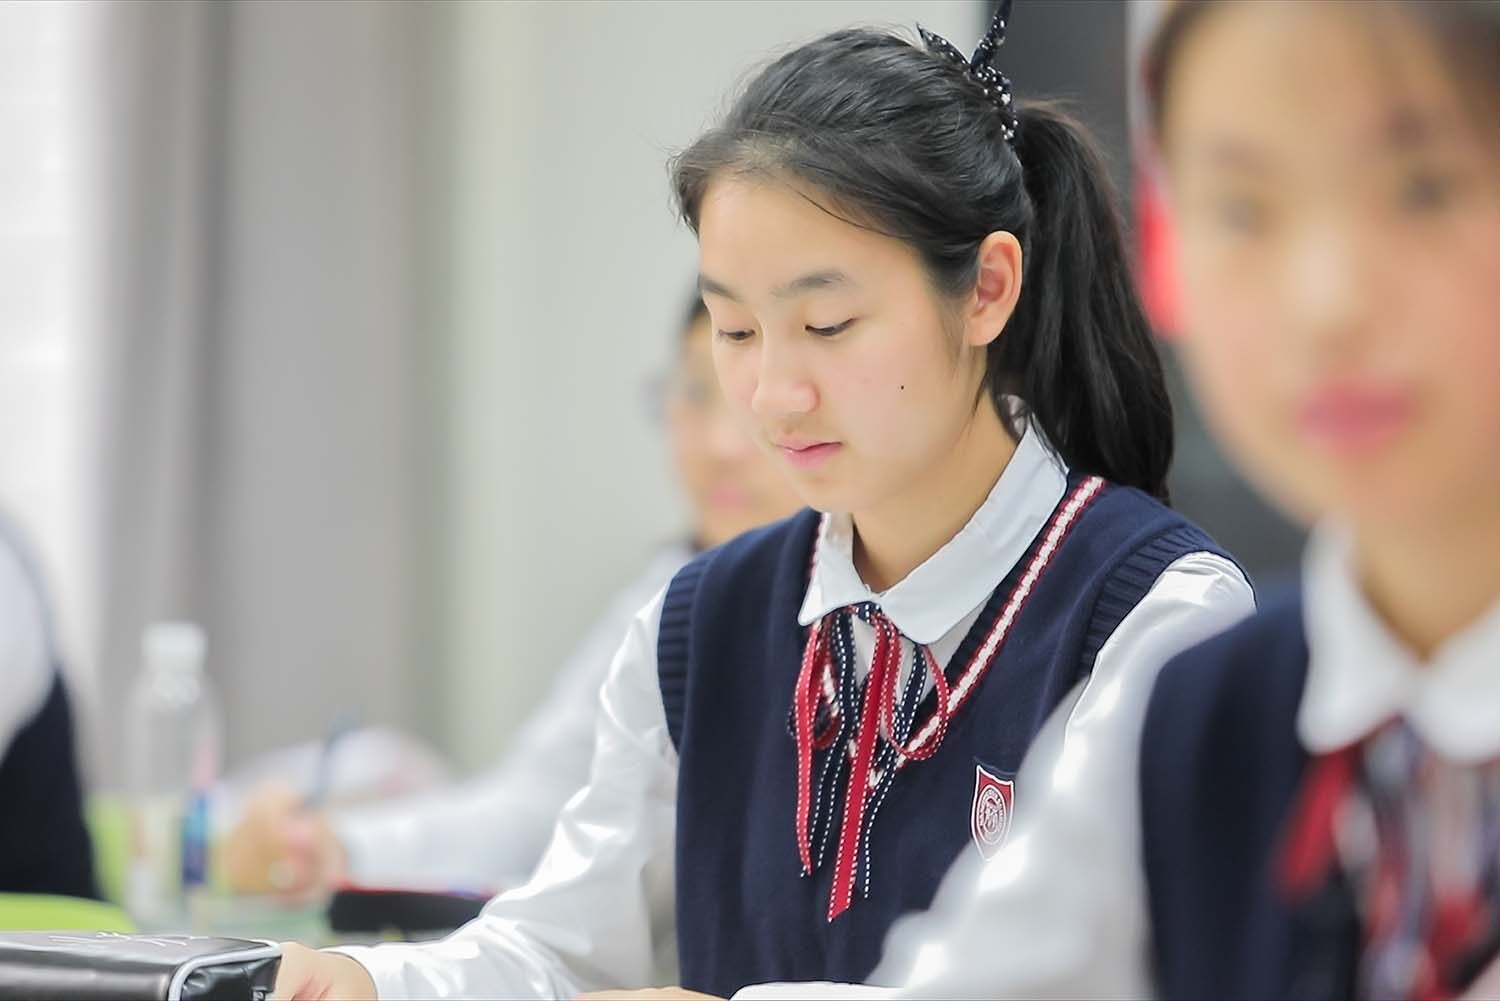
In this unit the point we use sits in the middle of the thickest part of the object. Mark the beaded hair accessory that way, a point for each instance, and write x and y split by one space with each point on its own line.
979 67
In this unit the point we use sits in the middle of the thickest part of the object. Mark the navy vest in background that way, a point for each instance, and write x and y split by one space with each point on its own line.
1221 766
729 651
44 846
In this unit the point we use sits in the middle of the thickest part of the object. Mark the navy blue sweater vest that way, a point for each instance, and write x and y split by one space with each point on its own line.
1221 766
44 846
729 652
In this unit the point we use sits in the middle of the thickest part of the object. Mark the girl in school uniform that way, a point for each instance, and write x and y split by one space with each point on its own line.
1318 802
923 307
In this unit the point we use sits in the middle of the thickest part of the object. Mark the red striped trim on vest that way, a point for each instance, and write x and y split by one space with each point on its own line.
1063 520
815 685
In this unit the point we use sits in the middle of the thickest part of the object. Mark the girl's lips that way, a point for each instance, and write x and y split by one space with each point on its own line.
1350 420
810 455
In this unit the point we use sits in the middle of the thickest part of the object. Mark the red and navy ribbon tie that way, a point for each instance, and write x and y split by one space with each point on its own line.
1417 840
825 707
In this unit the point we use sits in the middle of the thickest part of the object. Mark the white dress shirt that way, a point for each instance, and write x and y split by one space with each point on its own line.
1361 675
599 912
1061 911
25 663
490 832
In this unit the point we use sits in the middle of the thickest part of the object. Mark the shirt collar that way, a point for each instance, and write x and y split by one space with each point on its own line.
1360 675
932 599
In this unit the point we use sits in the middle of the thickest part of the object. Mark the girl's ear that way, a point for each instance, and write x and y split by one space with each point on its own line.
995 292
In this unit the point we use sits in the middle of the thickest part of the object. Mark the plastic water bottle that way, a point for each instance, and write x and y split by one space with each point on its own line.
174 739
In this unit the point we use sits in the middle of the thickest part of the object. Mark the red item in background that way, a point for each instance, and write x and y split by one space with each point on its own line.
1158 257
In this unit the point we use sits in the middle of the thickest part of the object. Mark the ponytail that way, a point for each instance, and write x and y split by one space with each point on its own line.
1079 350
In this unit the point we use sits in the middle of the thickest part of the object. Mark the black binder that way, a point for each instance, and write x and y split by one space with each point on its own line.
108 966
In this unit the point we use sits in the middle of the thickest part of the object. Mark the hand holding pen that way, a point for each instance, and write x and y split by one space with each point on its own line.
284 843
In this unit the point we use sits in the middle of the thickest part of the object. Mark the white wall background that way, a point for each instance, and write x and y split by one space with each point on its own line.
568 279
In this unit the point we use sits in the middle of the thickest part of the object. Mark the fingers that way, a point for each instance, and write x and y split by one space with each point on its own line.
280 846
309 975
295 976
249 848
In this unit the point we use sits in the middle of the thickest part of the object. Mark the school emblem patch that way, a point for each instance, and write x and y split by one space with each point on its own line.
989 819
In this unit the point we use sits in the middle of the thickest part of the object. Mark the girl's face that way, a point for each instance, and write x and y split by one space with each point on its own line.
731 485
830 345
1339 226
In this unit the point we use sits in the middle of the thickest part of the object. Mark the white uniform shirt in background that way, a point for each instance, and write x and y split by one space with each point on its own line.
599 912
1061 911
488 833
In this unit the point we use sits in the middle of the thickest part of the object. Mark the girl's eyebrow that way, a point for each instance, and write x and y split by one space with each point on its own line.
707 286
1224 153
827 278
812 281
1412 128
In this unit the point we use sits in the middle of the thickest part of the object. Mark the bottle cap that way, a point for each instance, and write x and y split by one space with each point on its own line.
175 646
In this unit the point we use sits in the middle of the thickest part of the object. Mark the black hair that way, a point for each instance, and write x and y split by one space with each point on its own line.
1466 31
900 141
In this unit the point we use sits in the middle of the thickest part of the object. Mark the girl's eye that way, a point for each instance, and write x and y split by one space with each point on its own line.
1244 216
830 331
736 335
1426 191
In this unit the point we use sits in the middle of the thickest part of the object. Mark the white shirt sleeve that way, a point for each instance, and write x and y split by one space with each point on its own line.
600 911
25 666
1065 897
490 832
1061 910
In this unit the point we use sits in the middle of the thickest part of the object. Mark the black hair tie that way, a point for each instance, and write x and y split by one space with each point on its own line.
980 68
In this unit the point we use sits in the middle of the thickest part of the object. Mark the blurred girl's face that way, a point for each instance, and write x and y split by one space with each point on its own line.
1338 213
732 487
831 346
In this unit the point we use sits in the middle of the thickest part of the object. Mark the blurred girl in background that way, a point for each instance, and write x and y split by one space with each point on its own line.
1318 805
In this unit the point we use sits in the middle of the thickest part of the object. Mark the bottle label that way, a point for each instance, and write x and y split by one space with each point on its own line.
154 889
195 841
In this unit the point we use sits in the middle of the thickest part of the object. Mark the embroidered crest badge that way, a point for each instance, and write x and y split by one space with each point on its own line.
989 819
